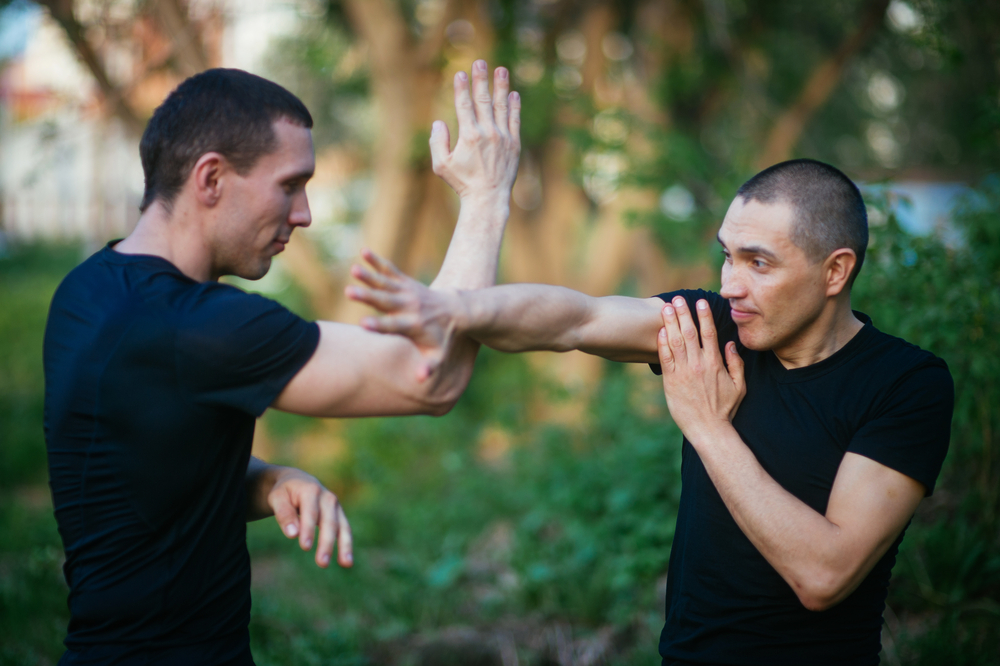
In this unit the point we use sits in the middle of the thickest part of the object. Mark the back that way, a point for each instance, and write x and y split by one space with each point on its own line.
153 382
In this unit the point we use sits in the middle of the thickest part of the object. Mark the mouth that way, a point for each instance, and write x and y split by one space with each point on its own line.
741 316
278 244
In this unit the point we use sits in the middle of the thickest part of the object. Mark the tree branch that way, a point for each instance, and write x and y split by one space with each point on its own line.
789 126
62 12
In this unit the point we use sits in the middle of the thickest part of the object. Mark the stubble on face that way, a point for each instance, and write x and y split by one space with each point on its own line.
775 291
265 205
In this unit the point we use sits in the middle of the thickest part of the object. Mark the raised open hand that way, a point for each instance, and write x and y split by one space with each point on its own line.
701 392
426 316
484 161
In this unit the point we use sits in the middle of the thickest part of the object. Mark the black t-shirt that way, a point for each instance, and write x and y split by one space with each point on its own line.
879 397
152 385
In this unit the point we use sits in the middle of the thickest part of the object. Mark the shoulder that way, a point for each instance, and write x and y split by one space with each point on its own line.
893 360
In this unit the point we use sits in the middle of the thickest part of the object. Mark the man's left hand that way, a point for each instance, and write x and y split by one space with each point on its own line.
701 392
300 504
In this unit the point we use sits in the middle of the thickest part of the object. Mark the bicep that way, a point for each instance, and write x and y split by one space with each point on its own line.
354 372
871 504
622 329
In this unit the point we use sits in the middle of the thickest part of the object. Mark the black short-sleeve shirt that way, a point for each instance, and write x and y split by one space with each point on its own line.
879 397
153 382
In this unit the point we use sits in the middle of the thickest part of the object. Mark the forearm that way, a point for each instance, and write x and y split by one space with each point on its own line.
809 551
259 480
523 317
472 257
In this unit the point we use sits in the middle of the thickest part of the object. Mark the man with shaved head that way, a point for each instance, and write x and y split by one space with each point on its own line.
810 436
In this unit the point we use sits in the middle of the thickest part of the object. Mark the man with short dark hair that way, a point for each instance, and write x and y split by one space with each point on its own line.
809 436
155 372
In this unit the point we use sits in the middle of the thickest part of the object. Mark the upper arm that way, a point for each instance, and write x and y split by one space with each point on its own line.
354 372
621 329
870 504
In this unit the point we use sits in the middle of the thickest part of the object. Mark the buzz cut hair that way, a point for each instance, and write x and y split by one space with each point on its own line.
829 210
227 111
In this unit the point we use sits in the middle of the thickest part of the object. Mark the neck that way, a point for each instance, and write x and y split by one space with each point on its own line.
175 235
835 326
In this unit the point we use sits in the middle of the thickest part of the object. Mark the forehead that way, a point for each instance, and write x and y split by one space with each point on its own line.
293 153
756 224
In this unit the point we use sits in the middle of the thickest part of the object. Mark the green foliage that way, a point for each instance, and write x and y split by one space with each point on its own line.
33 612
946 299
29 276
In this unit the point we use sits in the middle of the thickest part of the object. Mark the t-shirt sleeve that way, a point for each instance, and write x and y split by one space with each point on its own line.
720 314
912 427
240 350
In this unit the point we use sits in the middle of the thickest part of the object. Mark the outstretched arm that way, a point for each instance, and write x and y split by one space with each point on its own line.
823 557
358 373
511 318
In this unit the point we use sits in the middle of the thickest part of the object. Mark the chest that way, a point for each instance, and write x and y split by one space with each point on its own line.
799 431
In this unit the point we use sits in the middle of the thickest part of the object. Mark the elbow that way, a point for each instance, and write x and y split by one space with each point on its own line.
822 590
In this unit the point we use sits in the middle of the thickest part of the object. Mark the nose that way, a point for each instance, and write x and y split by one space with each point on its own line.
300 215
733 285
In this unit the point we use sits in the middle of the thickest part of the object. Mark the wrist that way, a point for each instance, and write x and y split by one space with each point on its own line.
489 201
709 433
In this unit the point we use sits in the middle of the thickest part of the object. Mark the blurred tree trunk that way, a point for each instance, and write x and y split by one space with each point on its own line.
818 87
185 54
406 78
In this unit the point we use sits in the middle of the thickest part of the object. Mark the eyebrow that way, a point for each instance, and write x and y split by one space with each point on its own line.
302 175
750 249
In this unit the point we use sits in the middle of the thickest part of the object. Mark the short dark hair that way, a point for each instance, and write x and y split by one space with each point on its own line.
227 111
830 212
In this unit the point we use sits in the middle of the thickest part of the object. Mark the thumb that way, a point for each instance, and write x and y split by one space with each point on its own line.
440 143
735 364
285 513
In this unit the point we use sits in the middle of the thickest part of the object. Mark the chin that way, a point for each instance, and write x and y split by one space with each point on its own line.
254 272
753 343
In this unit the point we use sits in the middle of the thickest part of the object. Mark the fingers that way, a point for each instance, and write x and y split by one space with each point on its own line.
678 348
463 104
397 324
501 92
380 263
440 143
382 301
735 364
709 342
514 117
375 280
666 357
688 331
345 552
308 515
285 513
481 97
328 516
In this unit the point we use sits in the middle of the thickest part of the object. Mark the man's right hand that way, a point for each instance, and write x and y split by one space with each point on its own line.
484 161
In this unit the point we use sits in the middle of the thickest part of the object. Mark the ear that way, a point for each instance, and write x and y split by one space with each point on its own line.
207 177
838 268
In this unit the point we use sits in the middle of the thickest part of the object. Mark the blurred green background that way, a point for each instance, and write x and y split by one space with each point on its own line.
532 525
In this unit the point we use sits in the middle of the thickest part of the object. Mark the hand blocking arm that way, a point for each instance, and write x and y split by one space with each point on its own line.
511 318
822 557
358 373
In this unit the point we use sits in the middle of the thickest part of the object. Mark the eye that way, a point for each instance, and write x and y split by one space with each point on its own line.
728 258
758 263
